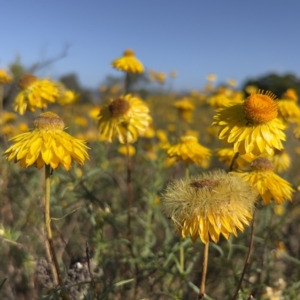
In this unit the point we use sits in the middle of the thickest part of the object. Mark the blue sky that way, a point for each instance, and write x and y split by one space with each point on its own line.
233 39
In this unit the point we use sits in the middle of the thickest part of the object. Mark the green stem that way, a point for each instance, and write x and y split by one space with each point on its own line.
130 193
49 231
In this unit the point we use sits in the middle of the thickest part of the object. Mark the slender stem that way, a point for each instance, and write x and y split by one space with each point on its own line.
130 193
204 271
1 108
49 231
247 263
233 161
126 83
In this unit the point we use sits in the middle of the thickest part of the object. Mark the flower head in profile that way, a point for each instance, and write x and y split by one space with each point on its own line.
190 151
288 109
48 144
128 63
252 126
69 97
185 109
209 205
5 77
125 118
269 185
36 93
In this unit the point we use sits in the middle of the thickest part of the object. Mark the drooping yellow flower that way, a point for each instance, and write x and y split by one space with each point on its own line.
209 205
128 63
288 109
185 109
269 185
252 127
47 144
190 151
5 77
69 97
36 93
125 118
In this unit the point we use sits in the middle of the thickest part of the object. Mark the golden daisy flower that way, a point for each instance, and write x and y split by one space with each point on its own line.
47 144
190 151
160 77
288 109
185 109
69 97
5 77
252 127
209 205
232 82
269 185
128 63
126 118
36 93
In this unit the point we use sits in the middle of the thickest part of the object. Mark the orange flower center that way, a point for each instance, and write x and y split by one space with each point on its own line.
128 52
27 80
118 107
262 164
260 107
49 121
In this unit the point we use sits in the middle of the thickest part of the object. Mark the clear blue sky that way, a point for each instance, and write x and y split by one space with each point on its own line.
233 39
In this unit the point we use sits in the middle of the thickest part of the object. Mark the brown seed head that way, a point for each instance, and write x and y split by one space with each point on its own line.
26 80
128 52
262 164
118 107
205 183
49 121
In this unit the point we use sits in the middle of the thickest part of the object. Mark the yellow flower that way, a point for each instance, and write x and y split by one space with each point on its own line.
8 117
36 93
128 63
185 108
189 150
5 77
94 112
211 77
173 74
69 97
123 150
288 110
269 185
252 127
281 161
160 77
125 118
81 121
209 205
220 99
231 82
226 155
47 144
290 94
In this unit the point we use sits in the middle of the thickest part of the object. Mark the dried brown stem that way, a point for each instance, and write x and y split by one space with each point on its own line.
204 272
247 263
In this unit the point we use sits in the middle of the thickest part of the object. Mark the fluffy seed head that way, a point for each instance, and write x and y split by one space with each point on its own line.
209 205
26 80
260 107
262 164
